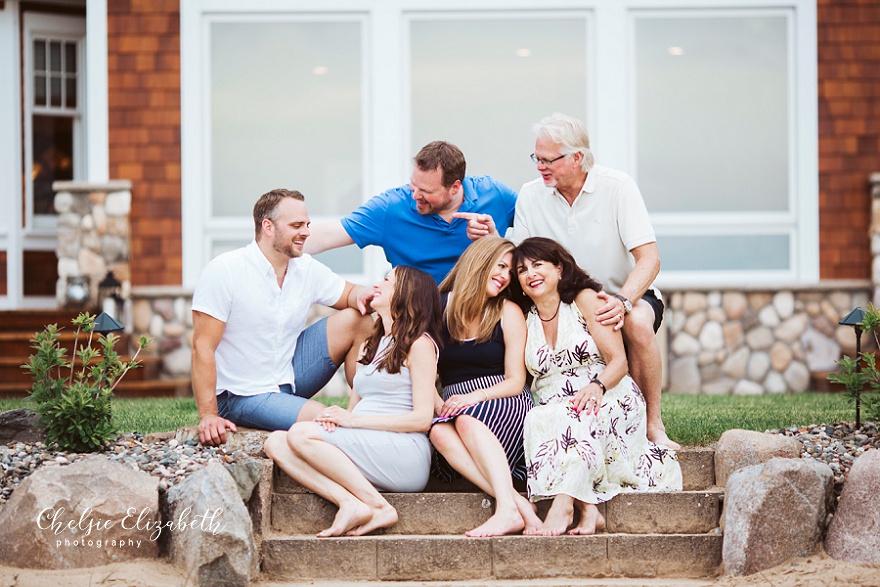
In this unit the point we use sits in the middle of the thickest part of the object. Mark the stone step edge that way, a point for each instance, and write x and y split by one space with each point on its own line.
456 558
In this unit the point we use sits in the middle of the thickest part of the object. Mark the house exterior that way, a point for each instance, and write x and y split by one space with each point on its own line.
751 126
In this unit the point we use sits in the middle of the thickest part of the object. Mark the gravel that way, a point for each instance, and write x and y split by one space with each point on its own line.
170 460
836 445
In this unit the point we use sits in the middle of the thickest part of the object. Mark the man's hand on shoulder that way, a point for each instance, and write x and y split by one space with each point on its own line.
212 430
479 225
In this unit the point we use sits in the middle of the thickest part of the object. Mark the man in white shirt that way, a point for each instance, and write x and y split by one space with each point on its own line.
599 215
254 361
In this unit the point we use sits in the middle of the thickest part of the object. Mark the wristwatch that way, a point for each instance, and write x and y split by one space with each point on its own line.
627 305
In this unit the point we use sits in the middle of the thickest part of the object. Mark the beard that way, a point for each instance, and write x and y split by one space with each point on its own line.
285 247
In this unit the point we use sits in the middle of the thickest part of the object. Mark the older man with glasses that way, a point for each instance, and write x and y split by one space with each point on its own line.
599 215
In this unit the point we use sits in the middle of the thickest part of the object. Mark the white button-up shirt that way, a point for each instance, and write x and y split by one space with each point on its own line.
263 321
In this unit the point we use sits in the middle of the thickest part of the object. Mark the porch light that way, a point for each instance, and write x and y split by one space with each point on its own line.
76 292
110 295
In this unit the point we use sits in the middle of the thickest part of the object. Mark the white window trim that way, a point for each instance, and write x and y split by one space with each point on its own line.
607 119
10 153
43 228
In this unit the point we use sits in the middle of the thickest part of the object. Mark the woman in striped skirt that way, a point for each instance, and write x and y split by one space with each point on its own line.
479 428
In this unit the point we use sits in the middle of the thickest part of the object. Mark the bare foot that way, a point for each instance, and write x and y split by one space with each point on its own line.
349 516
501 523
590 521
558 519
658 436
382 517
528 511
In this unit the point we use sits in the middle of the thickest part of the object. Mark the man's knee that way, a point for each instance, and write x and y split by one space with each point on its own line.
348 324
638 330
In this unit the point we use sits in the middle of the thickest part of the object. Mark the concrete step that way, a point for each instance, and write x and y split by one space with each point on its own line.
686 512
697 469
458 558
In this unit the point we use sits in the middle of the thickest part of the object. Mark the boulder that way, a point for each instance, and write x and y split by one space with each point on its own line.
90 513
738 449
21 425
210 532
773 512
854 533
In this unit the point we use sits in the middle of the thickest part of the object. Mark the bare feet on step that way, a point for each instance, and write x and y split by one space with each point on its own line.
558 519
528 511
658 436
501 523
382 517
349 516
591 521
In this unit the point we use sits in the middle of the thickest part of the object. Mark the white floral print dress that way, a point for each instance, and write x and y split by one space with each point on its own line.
591 458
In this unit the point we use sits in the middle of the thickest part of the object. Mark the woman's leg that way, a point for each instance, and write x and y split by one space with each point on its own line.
474 451
352 512
560 516
590 521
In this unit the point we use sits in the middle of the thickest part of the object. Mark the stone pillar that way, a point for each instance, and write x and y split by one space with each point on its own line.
93 234
875 238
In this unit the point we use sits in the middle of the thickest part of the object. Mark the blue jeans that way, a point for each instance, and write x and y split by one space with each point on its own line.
312 368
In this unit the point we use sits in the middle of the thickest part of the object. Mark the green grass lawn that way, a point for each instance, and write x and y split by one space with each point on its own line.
695 420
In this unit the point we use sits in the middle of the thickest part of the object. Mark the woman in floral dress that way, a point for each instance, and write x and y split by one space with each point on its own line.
586 440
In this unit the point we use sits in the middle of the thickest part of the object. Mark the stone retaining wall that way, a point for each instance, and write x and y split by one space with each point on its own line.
772 340
93 234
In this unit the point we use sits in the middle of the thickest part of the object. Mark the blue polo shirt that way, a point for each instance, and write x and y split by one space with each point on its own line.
392 221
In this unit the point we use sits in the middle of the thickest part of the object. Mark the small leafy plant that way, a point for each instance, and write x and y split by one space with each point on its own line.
860 376
74 397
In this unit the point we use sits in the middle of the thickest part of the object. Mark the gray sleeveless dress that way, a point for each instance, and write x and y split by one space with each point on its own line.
391 461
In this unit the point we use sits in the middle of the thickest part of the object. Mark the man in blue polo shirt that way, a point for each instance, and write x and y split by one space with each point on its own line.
428 223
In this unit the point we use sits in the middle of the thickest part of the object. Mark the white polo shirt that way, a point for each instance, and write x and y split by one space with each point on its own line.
607 220
262 320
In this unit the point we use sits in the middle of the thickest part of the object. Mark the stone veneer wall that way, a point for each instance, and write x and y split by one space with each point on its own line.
754 341
93 234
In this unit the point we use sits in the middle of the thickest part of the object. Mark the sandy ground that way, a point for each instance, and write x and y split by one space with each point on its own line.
816 571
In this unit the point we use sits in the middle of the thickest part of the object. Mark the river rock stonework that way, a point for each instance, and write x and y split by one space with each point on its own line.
755 341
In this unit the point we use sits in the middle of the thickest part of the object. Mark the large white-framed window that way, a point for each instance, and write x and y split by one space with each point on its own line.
479 73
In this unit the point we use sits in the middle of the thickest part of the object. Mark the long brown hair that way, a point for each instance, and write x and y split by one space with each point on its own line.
415 310
468 280
573 279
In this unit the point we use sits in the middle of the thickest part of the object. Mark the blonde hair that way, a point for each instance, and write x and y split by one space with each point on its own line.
467 283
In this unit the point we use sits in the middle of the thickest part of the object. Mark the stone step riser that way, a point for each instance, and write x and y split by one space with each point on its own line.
697 469
454 513
425 558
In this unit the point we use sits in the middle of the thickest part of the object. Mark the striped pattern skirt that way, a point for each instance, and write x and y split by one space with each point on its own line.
503 416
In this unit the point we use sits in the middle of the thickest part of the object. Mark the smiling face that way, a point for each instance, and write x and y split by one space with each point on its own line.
429 193
538 278
563 172
384 291
290 227
499 276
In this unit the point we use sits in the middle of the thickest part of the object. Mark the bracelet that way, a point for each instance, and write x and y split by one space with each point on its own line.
595 380
486 394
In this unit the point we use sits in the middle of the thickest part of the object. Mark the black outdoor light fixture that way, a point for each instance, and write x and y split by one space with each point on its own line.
110 295
105 323
854 319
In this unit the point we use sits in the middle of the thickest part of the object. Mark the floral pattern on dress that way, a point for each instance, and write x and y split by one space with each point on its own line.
591 458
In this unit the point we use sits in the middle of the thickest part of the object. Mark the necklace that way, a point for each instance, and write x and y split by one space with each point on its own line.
550 319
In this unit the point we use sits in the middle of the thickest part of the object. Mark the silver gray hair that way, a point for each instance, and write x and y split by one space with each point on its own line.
570 133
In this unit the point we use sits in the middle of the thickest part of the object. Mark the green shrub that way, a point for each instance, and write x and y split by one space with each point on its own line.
73 398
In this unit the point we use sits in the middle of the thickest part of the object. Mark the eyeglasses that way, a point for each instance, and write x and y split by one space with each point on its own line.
545 162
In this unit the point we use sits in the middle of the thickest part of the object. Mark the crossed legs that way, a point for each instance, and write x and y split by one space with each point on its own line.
472 450
326 470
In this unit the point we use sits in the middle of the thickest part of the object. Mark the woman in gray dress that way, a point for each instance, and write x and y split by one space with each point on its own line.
379 442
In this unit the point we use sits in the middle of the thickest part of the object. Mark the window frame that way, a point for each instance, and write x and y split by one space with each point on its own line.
610 109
